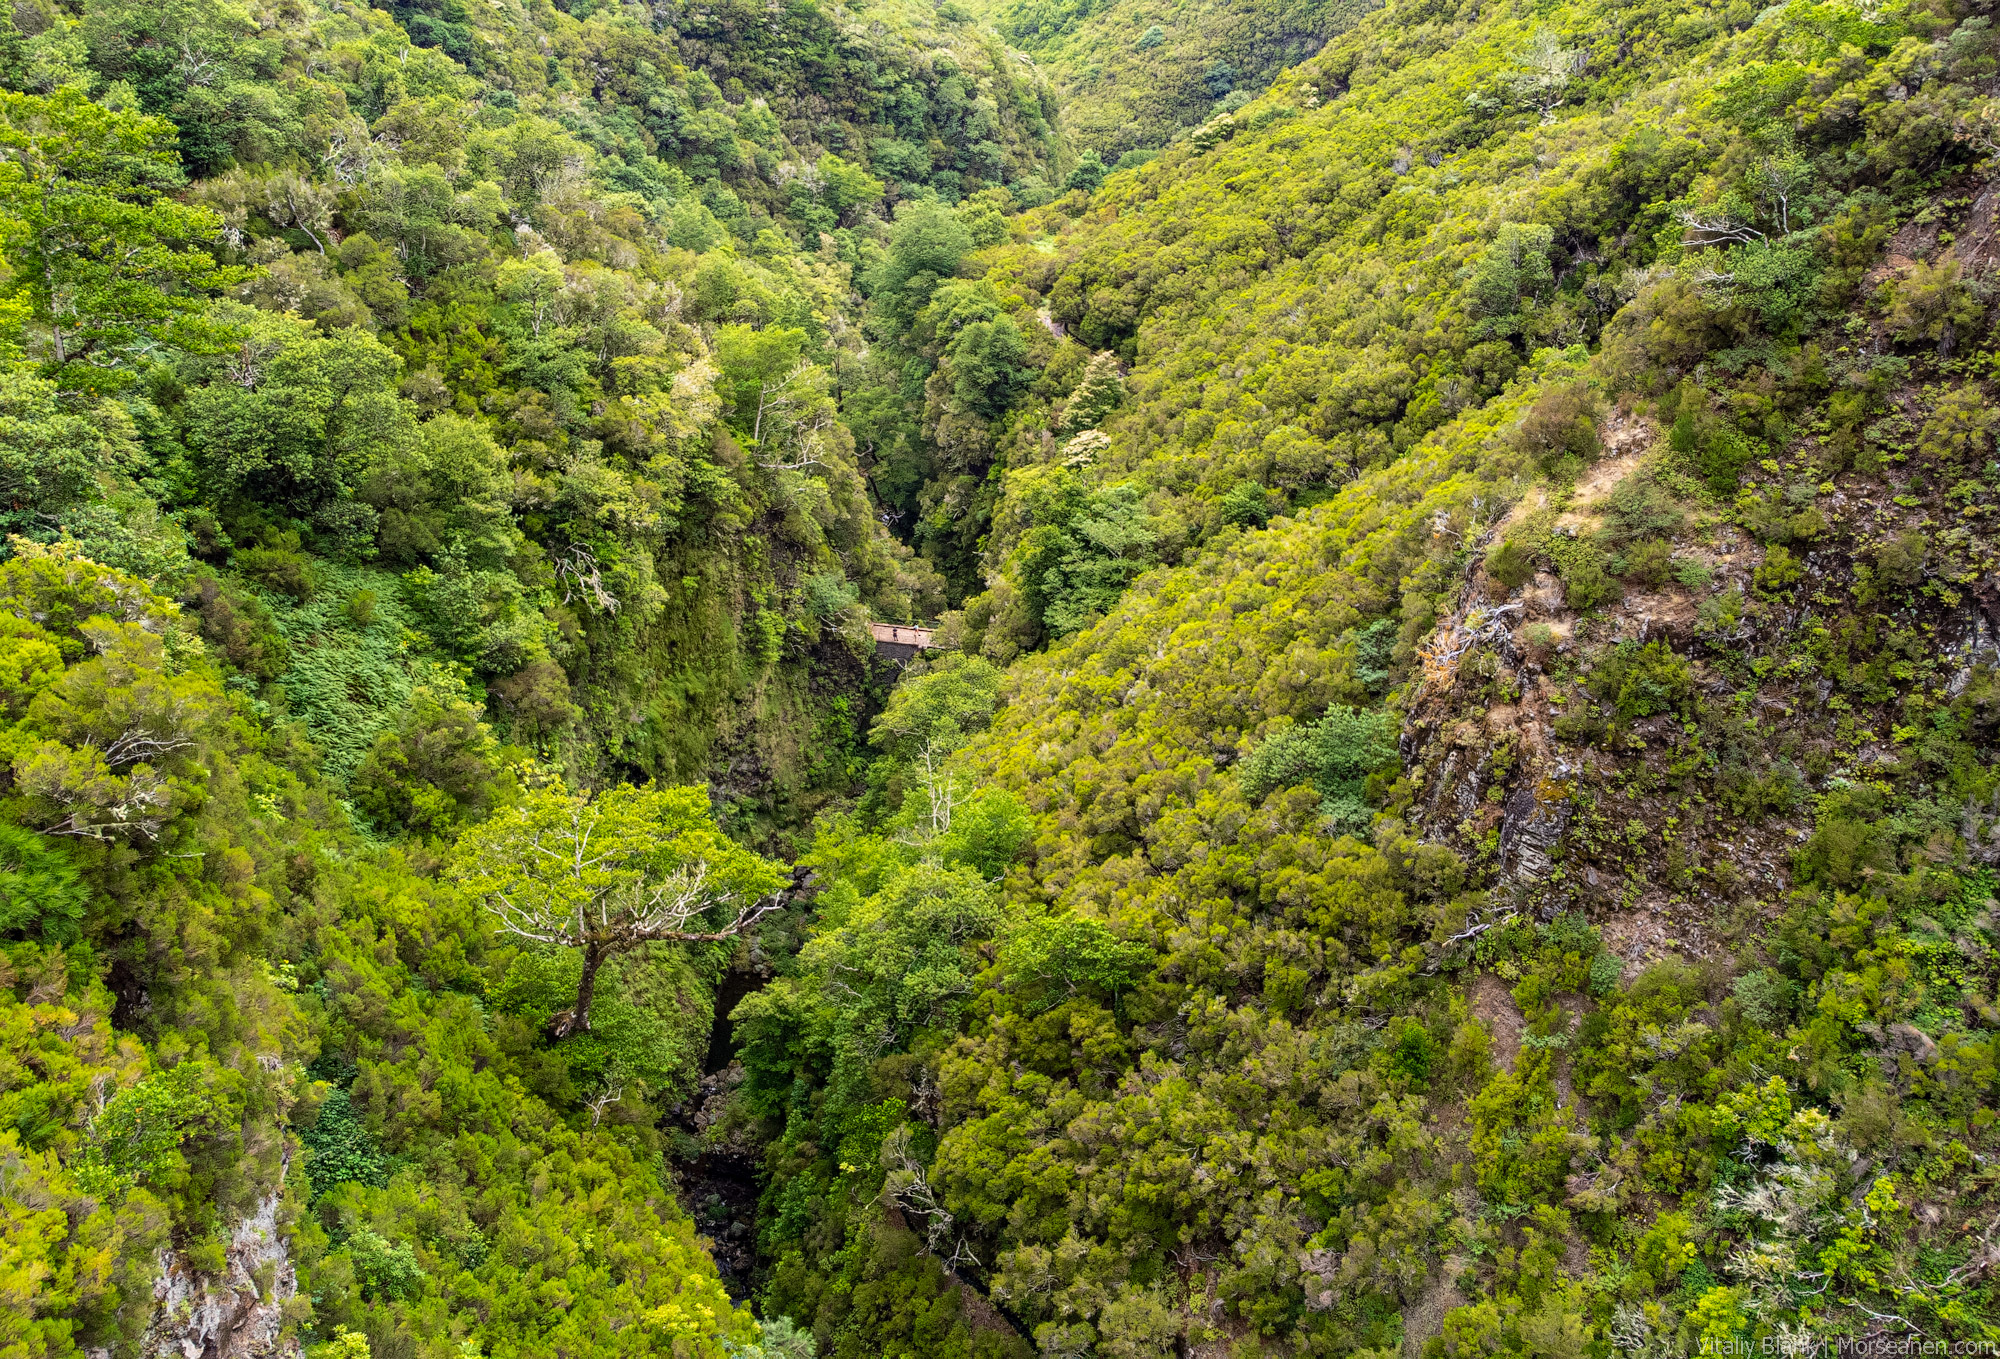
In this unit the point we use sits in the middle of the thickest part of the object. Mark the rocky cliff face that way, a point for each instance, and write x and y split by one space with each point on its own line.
237 1315
1652 760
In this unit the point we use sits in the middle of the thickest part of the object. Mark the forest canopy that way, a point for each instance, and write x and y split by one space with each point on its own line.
1450 810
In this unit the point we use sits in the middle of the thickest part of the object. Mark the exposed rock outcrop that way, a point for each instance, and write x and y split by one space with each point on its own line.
238 1315
1670 818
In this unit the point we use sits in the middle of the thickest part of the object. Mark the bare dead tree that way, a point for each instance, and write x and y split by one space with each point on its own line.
582 576
944 794
1780 178
616 922
1542 74
136 808
779 404
603 1100
1717 228
350 152
294 201
909 1188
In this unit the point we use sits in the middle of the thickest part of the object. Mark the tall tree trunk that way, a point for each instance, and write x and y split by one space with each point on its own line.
576 1019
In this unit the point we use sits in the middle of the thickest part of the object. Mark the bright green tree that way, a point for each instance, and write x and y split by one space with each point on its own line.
50 456
925 247
608 872
106 262
297 415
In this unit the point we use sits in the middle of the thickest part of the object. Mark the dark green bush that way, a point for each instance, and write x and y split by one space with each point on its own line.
1335 755
1639 507
1510 563
339 1147
238 626
1579 727
1767 998
1247 504
1778 572
435 769
1560 430
1643 681
1647 563
1587 581
277 570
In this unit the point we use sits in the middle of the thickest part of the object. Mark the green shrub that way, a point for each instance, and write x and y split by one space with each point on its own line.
1767 998
1335 755
1639 507
535 700
1931 302
277 570
1957 438
209 1255
148 1132
1849 843
1720 613
345 1344
1513 274
1247 504
1055 958
1691 572
41 893
1580 727
1778 572
1560 430
1776 790
388 1270
1540 639
1647 563
437 768
1409 1053
483 617
1723 456
339 1147
1586 580
829 594
1374 652
1899 561
1643 681
1087 174
1510 563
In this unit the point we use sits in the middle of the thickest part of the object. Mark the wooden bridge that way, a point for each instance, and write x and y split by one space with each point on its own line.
899 642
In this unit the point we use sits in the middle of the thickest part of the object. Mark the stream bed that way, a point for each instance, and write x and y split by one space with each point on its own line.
718 1186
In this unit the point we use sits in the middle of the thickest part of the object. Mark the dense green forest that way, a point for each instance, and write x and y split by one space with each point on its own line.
1453 813
1132 75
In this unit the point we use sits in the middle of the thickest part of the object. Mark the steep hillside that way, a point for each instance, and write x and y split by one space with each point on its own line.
921 94
409 423
1456 815
575 309
1520 878
1133 76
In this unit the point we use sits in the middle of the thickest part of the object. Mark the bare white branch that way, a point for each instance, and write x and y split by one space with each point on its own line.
1717 228
578 569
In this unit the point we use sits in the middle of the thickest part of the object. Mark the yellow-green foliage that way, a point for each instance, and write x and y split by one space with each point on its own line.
1131 77
1385 237
183 849
1375 301
504 377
